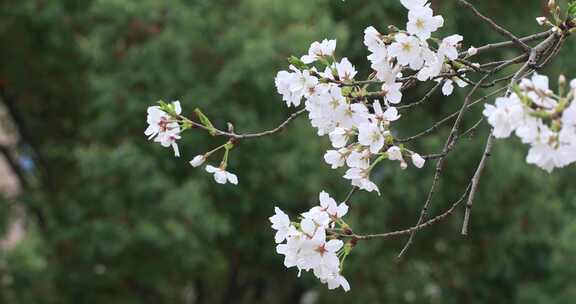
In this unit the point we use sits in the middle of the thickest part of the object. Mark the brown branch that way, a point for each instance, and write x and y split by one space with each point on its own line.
464 134
448 118
410 230
492 46
349 195
550 46
238 136
475 182
423 99
496 27
452 137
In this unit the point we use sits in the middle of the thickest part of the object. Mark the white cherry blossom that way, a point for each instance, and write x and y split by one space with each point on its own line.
222 176
407 50
361 179
372 39
422 22
448 47
295 85
372 136
505 116
281 223
539 91
318 50
392 92
448 86
391 113
339 137
359 159
346 70
335 158
395 153
163 128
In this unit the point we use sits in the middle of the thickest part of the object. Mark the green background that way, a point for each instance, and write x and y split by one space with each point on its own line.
112 218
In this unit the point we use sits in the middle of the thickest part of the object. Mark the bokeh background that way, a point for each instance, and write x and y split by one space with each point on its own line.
92 212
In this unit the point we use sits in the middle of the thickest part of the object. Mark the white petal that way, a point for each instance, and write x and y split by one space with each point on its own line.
177 107
232 178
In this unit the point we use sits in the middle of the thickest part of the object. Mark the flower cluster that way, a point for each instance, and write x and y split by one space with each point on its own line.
541 119
165 125
357 121
308 245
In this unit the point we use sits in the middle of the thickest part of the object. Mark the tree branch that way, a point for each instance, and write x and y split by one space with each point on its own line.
410 230
452 137
496 27
237 136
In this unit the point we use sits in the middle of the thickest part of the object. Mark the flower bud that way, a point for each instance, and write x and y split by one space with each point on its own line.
562 80
418 160
472 51
198 160
403 165
541 20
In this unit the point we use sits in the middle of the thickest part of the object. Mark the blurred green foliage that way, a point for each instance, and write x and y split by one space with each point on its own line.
125 222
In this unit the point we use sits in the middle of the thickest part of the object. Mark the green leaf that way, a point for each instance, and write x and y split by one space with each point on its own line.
206 122
572 9
295 61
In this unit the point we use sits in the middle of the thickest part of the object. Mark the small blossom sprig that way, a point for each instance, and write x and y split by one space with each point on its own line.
540 118
308 244
165 125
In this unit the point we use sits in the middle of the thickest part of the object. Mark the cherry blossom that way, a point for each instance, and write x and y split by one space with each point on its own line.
392 92
222 176
422 22
407 50
162 127
295 85
334 158
346 70
372 136
505 116
448 86
538 90
318 50
281 223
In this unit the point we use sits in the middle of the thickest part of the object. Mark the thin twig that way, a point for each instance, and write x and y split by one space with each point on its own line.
496 27
423 99
448 118
349 195
410 230
550 45
475 181
452 137
237 136
492 46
